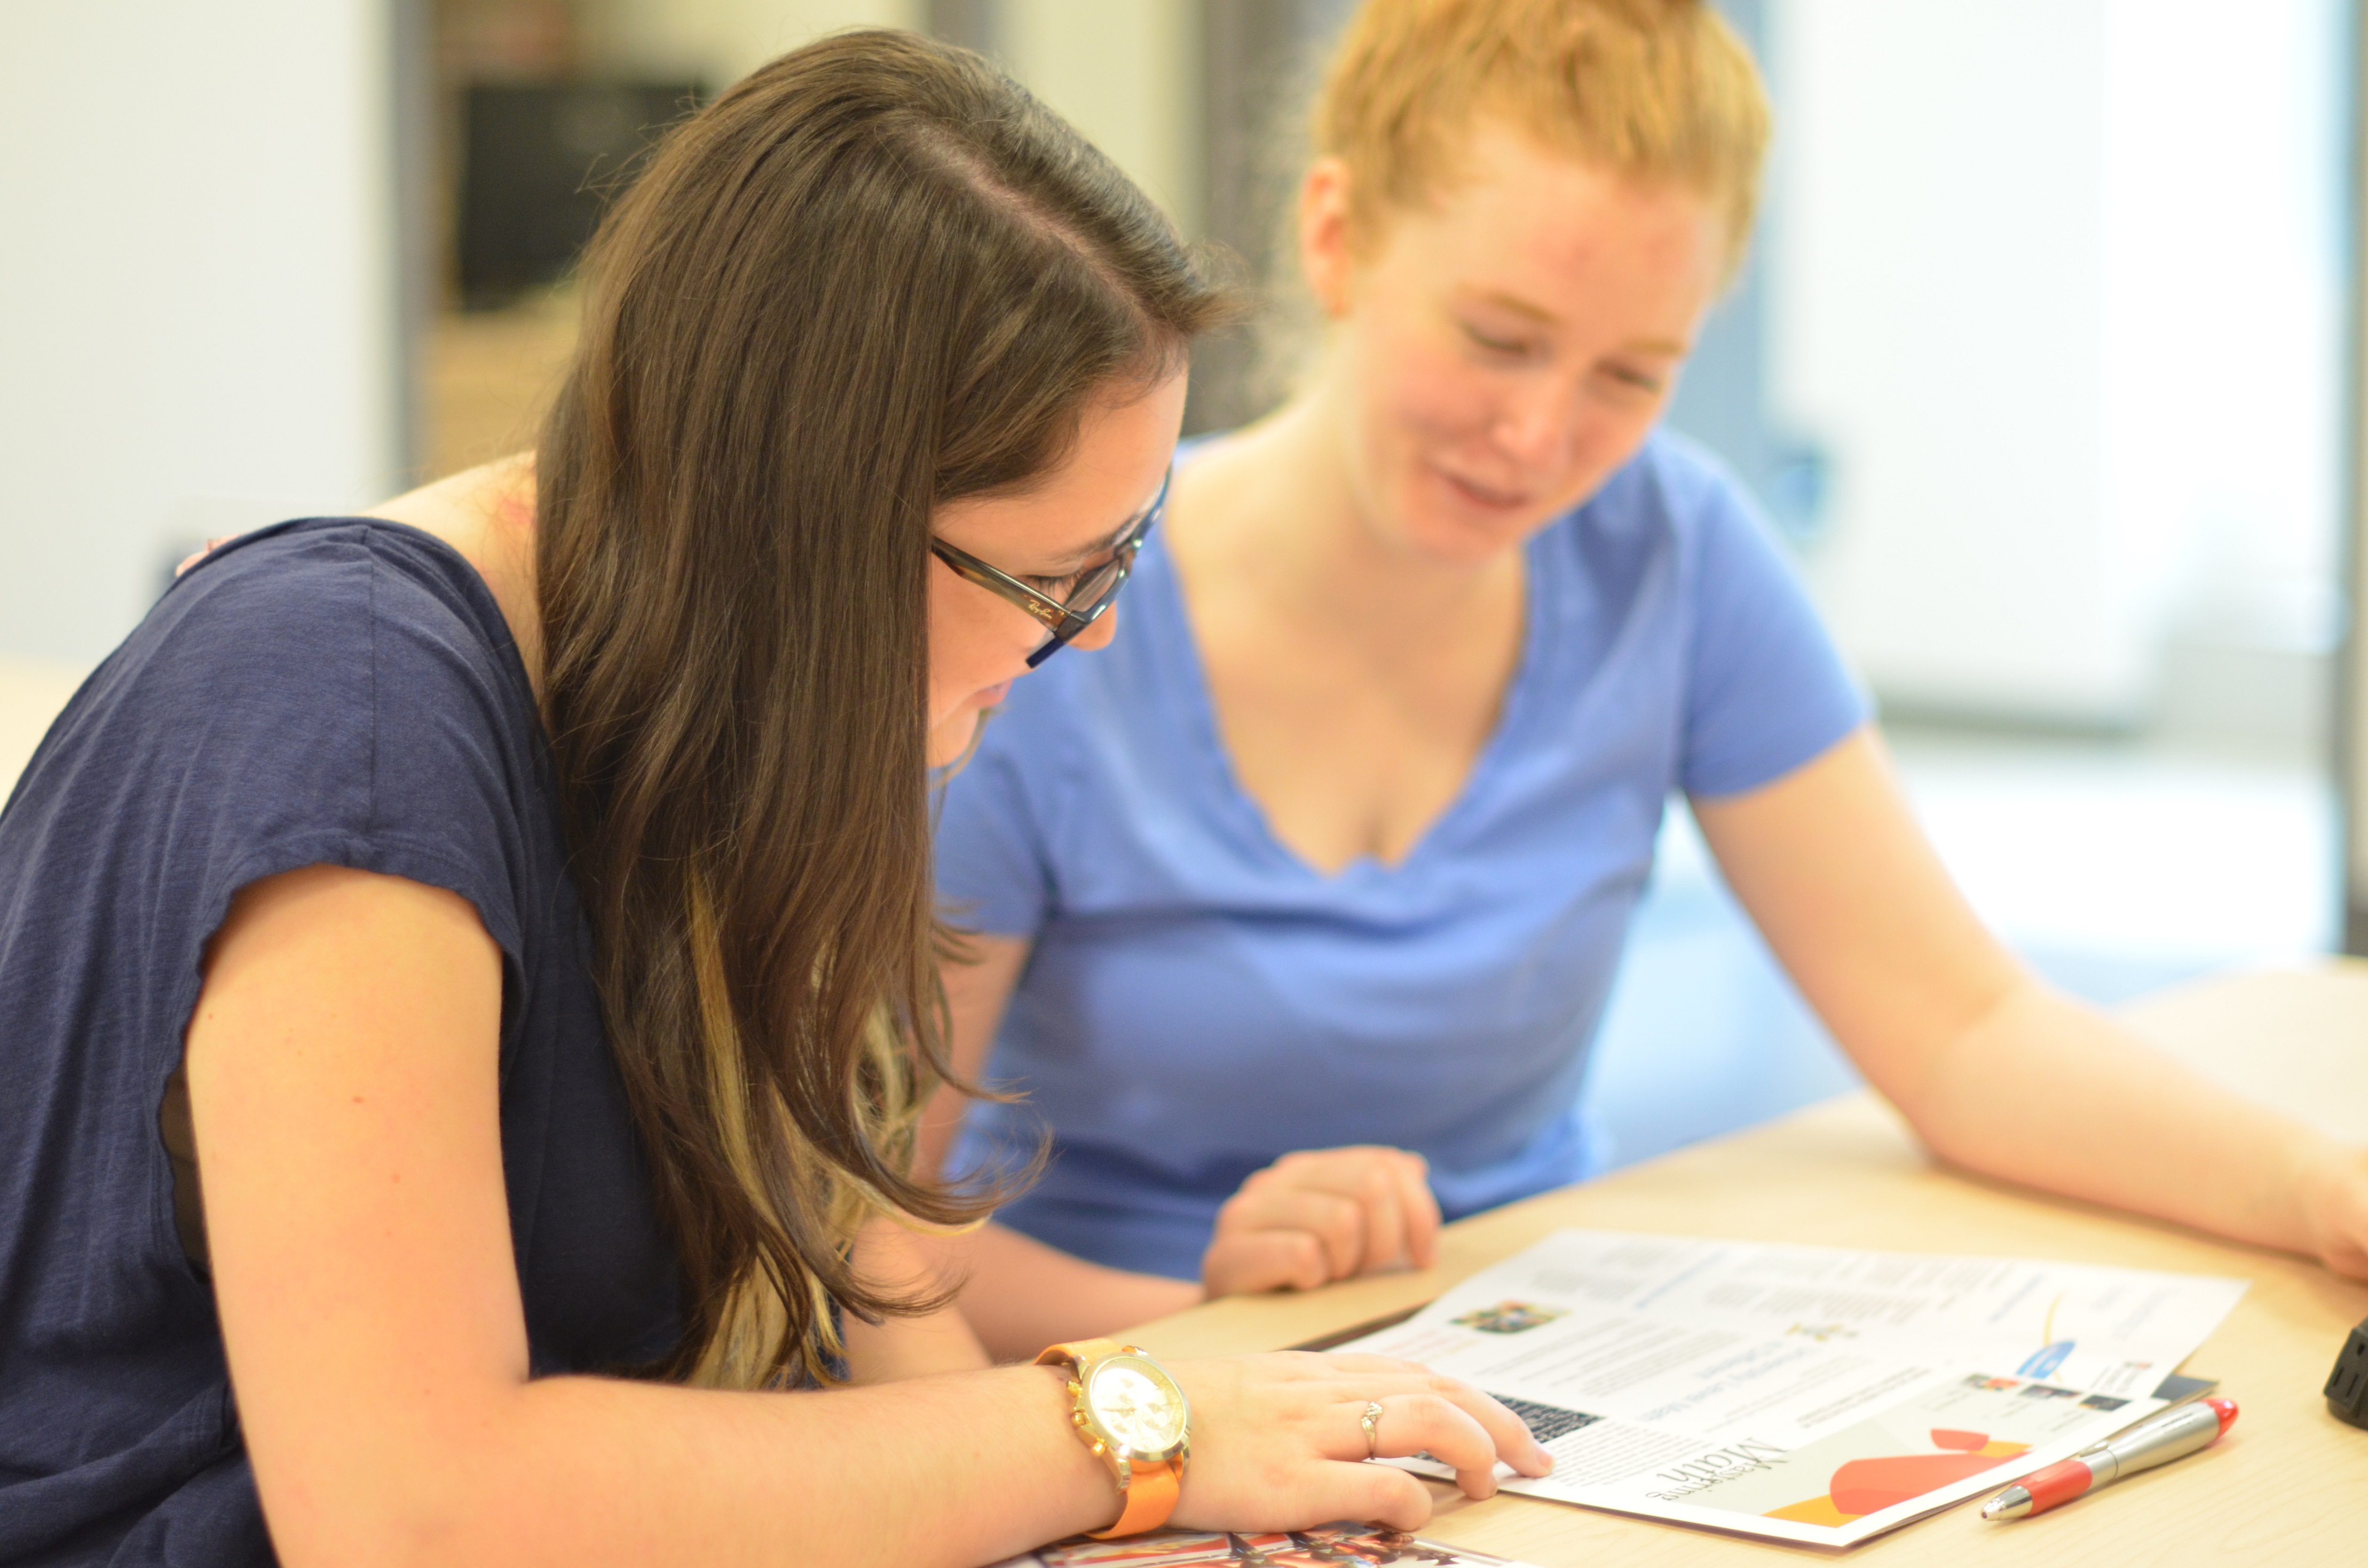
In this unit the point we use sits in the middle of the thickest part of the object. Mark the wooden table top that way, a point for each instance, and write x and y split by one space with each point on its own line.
2289 1483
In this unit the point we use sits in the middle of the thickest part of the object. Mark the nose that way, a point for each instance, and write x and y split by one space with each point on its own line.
1533 426
1100 634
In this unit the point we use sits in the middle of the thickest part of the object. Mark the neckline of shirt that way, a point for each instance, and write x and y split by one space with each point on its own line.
1170 621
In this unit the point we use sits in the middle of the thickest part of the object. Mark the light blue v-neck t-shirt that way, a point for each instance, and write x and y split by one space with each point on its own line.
1199 1001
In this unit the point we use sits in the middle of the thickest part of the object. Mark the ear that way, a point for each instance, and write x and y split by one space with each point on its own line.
1326 257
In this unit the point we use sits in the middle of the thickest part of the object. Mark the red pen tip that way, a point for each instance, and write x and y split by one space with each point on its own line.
2225 1409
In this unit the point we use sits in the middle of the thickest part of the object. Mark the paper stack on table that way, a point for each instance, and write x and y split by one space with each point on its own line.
1805 1393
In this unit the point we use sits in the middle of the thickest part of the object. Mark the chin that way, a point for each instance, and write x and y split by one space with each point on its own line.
951 742
1439 521
1466 539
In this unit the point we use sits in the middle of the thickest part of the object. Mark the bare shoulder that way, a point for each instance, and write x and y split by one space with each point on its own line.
1218 482
486 514
457 504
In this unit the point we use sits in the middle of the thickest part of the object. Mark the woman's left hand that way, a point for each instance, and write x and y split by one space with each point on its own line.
2335 1201
1320 1215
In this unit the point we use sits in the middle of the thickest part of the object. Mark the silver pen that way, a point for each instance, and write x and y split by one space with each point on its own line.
2159 1439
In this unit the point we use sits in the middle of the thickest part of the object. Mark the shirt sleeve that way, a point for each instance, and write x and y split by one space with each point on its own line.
1767 690
994 868
313 705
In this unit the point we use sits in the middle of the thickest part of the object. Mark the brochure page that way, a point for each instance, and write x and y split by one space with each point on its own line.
1808 1394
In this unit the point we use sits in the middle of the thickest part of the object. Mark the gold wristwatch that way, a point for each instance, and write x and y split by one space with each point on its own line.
1132 1415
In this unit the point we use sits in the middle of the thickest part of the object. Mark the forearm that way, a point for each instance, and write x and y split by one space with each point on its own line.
1020 1295
948 1471
2048 1092
895 1260
1995 1071
898 1349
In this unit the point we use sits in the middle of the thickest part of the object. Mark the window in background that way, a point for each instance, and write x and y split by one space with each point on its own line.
2059 285
2039 366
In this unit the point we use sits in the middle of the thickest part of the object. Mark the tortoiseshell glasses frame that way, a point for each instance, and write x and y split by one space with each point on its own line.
1096 591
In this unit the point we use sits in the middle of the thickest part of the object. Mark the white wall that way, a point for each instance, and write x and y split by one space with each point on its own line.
2056 283
196 292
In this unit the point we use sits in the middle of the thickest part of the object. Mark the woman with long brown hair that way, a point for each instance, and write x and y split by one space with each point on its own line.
467 971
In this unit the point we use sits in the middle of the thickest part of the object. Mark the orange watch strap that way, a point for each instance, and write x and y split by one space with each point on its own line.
1077 1350
1151 1491
1150 1498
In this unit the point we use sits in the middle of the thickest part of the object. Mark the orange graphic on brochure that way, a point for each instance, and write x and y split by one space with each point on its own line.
1859 1487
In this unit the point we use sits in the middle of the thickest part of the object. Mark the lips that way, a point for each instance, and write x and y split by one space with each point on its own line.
1483 495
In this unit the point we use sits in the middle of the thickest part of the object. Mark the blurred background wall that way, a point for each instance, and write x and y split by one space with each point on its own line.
200 317
2039 362
2040 366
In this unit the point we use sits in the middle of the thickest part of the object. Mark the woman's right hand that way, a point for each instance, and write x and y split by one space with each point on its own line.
1278 1441
1320 1215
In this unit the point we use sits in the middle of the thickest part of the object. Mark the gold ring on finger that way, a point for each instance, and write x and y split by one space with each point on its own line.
1371 1423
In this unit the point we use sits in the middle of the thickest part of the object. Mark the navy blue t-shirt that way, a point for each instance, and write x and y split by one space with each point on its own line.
332 691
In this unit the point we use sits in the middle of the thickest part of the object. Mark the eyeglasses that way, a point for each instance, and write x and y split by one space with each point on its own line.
1095 592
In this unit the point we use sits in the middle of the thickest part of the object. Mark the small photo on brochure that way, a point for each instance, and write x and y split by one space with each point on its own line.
1331 1546
1507 1317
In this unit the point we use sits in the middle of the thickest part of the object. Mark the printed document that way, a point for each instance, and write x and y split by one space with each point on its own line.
1805 1393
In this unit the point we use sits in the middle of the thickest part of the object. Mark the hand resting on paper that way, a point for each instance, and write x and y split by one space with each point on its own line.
1277 1438
1320 1215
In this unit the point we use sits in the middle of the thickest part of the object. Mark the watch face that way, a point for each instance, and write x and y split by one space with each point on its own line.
1138 1404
